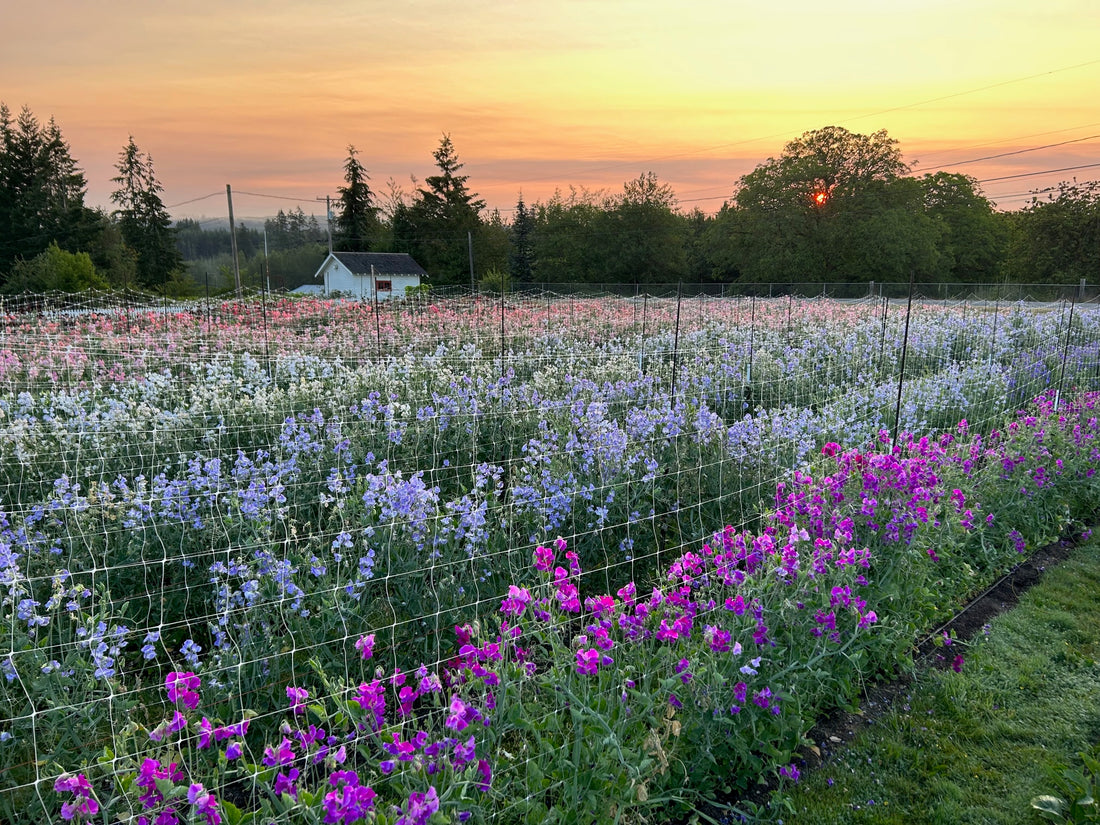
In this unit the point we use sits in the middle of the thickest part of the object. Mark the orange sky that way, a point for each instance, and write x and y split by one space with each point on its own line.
266 96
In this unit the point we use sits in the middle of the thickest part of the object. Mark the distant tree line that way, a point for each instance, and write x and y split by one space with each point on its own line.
834 206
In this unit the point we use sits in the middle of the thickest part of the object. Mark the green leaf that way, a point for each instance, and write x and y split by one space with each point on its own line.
232 813
1049 807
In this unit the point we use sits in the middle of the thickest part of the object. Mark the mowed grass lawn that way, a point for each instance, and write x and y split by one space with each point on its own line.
978 745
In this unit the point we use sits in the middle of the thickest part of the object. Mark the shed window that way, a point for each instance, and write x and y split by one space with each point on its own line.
383 286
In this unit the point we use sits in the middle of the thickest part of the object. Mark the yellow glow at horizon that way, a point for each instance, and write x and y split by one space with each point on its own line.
270 86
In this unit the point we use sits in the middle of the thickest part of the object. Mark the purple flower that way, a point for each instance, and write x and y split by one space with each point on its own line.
460 715
420 807
544 558
284 783
516 602
297 697
177 723
791 772
284 755
233 751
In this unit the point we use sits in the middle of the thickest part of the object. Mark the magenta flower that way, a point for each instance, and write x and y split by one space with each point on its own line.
297 697
372 697
544 559
206 732
461 715
83 803
957 664
365 646
420 808
284 755
204 803
177 723
183 687
516 602
588 661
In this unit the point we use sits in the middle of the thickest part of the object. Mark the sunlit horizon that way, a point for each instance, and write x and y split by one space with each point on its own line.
267 97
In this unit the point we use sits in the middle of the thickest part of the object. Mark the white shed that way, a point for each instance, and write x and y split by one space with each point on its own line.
370 275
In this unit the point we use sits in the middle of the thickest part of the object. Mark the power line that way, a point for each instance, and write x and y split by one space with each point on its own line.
916 104
1043 172
1009 154
277 197
193 200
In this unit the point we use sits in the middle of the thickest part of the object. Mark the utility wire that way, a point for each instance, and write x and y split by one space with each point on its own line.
1010 154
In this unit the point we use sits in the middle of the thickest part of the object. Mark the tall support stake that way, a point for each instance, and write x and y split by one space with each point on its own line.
676 346
502 345
470 250
904 351
233 241
1065 354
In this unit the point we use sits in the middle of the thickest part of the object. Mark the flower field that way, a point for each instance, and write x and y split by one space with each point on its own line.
534 560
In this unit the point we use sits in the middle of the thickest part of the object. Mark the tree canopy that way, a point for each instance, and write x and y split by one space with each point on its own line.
357 221
145 223
833 206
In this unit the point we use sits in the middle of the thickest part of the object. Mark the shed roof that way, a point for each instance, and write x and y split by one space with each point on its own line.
384 263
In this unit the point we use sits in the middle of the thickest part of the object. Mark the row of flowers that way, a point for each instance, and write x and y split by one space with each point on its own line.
580 705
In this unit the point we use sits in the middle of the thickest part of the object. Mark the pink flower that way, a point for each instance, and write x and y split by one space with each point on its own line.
365 646
183 687
588 661
516 602
544 558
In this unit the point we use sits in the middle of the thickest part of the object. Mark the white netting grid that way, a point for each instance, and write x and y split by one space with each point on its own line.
245 489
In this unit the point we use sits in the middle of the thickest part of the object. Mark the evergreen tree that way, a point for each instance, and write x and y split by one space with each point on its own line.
41 190
357 223
145 224
443 216
521 253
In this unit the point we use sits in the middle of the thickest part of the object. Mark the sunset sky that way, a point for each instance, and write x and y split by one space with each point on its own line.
266 96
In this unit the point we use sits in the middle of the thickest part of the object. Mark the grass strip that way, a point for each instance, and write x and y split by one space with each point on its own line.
977 745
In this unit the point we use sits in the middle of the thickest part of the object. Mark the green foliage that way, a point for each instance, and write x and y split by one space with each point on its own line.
1078 789
1057 240
142 218
972 235
445 215
644 234
835 206
521 252
55 270
41 190
495 280
357 222
291 230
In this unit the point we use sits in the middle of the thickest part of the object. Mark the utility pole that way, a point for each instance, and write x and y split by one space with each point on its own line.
328 219
233 241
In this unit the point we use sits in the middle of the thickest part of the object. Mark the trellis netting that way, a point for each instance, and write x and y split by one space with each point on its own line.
219 520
